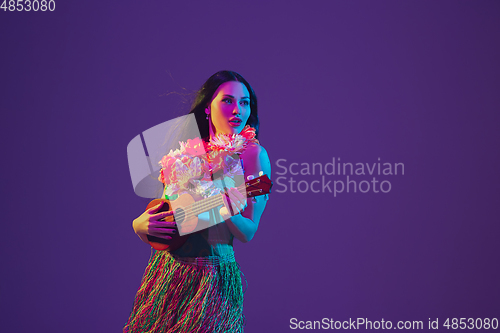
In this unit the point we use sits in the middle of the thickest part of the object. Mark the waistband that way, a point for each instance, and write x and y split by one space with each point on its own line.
206 261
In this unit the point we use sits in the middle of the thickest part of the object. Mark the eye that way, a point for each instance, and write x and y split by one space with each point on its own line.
227 100
245 102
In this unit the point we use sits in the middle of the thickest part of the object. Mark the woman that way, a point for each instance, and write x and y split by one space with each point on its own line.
197 288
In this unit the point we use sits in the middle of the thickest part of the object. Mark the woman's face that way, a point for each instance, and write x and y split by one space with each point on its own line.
229 108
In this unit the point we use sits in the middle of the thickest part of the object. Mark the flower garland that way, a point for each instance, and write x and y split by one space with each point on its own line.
235 143
196 161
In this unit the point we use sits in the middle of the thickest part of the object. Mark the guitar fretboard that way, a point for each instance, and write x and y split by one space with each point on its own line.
206 204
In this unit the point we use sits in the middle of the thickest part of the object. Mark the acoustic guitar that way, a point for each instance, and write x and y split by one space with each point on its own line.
187 211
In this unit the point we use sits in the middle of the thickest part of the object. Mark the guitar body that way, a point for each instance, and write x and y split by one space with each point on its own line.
177 240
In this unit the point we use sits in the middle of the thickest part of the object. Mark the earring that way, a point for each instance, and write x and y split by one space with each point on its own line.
207 115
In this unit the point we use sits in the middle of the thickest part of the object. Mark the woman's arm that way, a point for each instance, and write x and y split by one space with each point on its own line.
150 223
244 225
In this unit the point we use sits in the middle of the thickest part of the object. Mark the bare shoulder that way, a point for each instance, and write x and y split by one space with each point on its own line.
256 159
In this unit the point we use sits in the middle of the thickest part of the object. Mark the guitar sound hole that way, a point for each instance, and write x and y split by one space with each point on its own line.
179 215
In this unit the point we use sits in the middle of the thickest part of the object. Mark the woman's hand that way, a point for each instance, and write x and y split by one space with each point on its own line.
243 226
233 201
150 223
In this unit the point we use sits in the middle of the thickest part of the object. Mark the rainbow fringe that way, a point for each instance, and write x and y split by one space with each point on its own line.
204 295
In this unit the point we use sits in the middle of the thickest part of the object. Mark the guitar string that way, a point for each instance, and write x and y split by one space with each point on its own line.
204 205
199 207
211 202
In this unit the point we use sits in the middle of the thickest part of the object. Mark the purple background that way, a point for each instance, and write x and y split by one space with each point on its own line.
408 81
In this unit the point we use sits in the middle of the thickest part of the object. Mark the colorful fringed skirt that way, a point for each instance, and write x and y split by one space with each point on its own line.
188 295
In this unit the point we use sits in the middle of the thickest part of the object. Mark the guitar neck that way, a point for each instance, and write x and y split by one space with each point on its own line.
255 187
207 204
